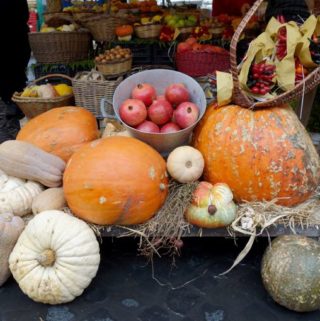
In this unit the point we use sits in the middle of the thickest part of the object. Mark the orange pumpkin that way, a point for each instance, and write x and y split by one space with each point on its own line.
61 131
124 30
115 180
262 155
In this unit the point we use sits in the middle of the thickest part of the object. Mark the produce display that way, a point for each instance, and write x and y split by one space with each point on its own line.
151 112
116 54
290 272
47 91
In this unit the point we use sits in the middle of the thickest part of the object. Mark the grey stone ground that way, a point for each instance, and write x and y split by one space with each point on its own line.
124 289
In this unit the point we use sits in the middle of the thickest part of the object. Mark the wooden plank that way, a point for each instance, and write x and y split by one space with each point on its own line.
273 231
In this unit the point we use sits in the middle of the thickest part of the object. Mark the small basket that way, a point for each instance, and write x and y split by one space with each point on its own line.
89 92
60 47
102 27
116 68
197 64
148 31
34 106
240 97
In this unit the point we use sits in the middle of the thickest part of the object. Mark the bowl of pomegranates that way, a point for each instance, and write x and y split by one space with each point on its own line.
160 107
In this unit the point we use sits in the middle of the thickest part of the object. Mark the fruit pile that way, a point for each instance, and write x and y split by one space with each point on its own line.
47 91
113 55
191 44
260 79
148 112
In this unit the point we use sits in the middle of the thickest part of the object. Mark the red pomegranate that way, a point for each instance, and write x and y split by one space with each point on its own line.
186 114
145 93
177 94
133 112
160 112
148 127
170 128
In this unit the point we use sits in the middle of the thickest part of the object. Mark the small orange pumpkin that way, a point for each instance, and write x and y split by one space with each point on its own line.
115 180
261 154
124 30
61 131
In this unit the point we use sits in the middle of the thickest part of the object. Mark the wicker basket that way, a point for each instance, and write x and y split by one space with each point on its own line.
60 47
102 27
148 31
90 91
116 68
33 106
241 98
53 6
197 64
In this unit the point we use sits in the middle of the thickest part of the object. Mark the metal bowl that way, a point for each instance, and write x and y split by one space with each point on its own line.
160 79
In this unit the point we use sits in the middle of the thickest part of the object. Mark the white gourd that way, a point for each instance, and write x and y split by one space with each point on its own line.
16 195
55 258
185 164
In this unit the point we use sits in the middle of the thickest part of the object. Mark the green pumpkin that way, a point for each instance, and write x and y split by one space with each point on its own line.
291 272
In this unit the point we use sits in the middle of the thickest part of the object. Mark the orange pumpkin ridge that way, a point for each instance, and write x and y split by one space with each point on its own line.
115 180
61 131
262 155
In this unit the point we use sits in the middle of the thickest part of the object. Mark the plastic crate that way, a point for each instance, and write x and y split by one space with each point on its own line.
161 55
141 53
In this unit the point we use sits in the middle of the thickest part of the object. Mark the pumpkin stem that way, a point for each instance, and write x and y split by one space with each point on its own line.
188 164
47 258
212 209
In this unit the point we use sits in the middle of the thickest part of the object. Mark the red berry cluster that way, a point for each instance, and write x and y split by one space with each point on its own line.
281 48
260 78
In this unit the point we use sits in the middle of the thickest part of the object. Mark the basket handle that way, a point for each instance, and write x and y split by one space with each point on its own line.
103 101
233 49
51 76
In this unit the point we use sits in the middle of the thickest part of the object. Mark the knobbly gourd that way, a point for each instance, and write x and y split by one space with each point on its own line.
16 194
24 160
185 164
55 258
49 199
61 131
291 272
212 206
10 228
115 180
263 154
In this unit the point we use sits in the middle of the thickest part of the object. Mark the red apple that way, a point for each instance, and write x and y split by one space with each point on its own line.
160 112
186 114
170 128
148 127
145 93
133 112
177 93
183 47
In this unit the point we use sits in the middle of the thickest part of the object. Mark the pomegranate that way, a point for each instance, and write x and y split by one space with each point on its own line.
177 93
145 93
170 128
148 127
161 97
160 112
183 47
133 112
186 114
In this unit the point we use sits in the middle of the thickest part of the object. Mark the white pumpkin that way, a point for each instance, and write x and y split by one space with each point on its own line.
16 194
55 258
185 164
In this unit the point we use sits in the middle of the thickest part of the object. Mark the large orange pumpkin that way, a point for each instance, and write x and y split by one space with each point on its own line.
124 30
115 180
262 155
61 131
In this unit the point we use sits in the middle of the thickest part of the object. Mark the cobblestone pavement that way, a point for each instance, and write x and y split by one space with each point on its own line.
192 290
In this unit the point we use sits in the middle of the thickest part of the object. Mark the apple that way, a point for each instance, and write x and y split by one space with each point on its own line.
144 92
186 114
170 128
148 127
177 93
133 112
160 112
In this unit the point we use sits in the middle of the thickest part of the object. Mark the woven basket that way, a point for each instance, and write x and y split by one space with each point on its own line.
60 47
241 98
89 92
53 6
102 27
148 31
80 17
33 106
197 64
115 68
